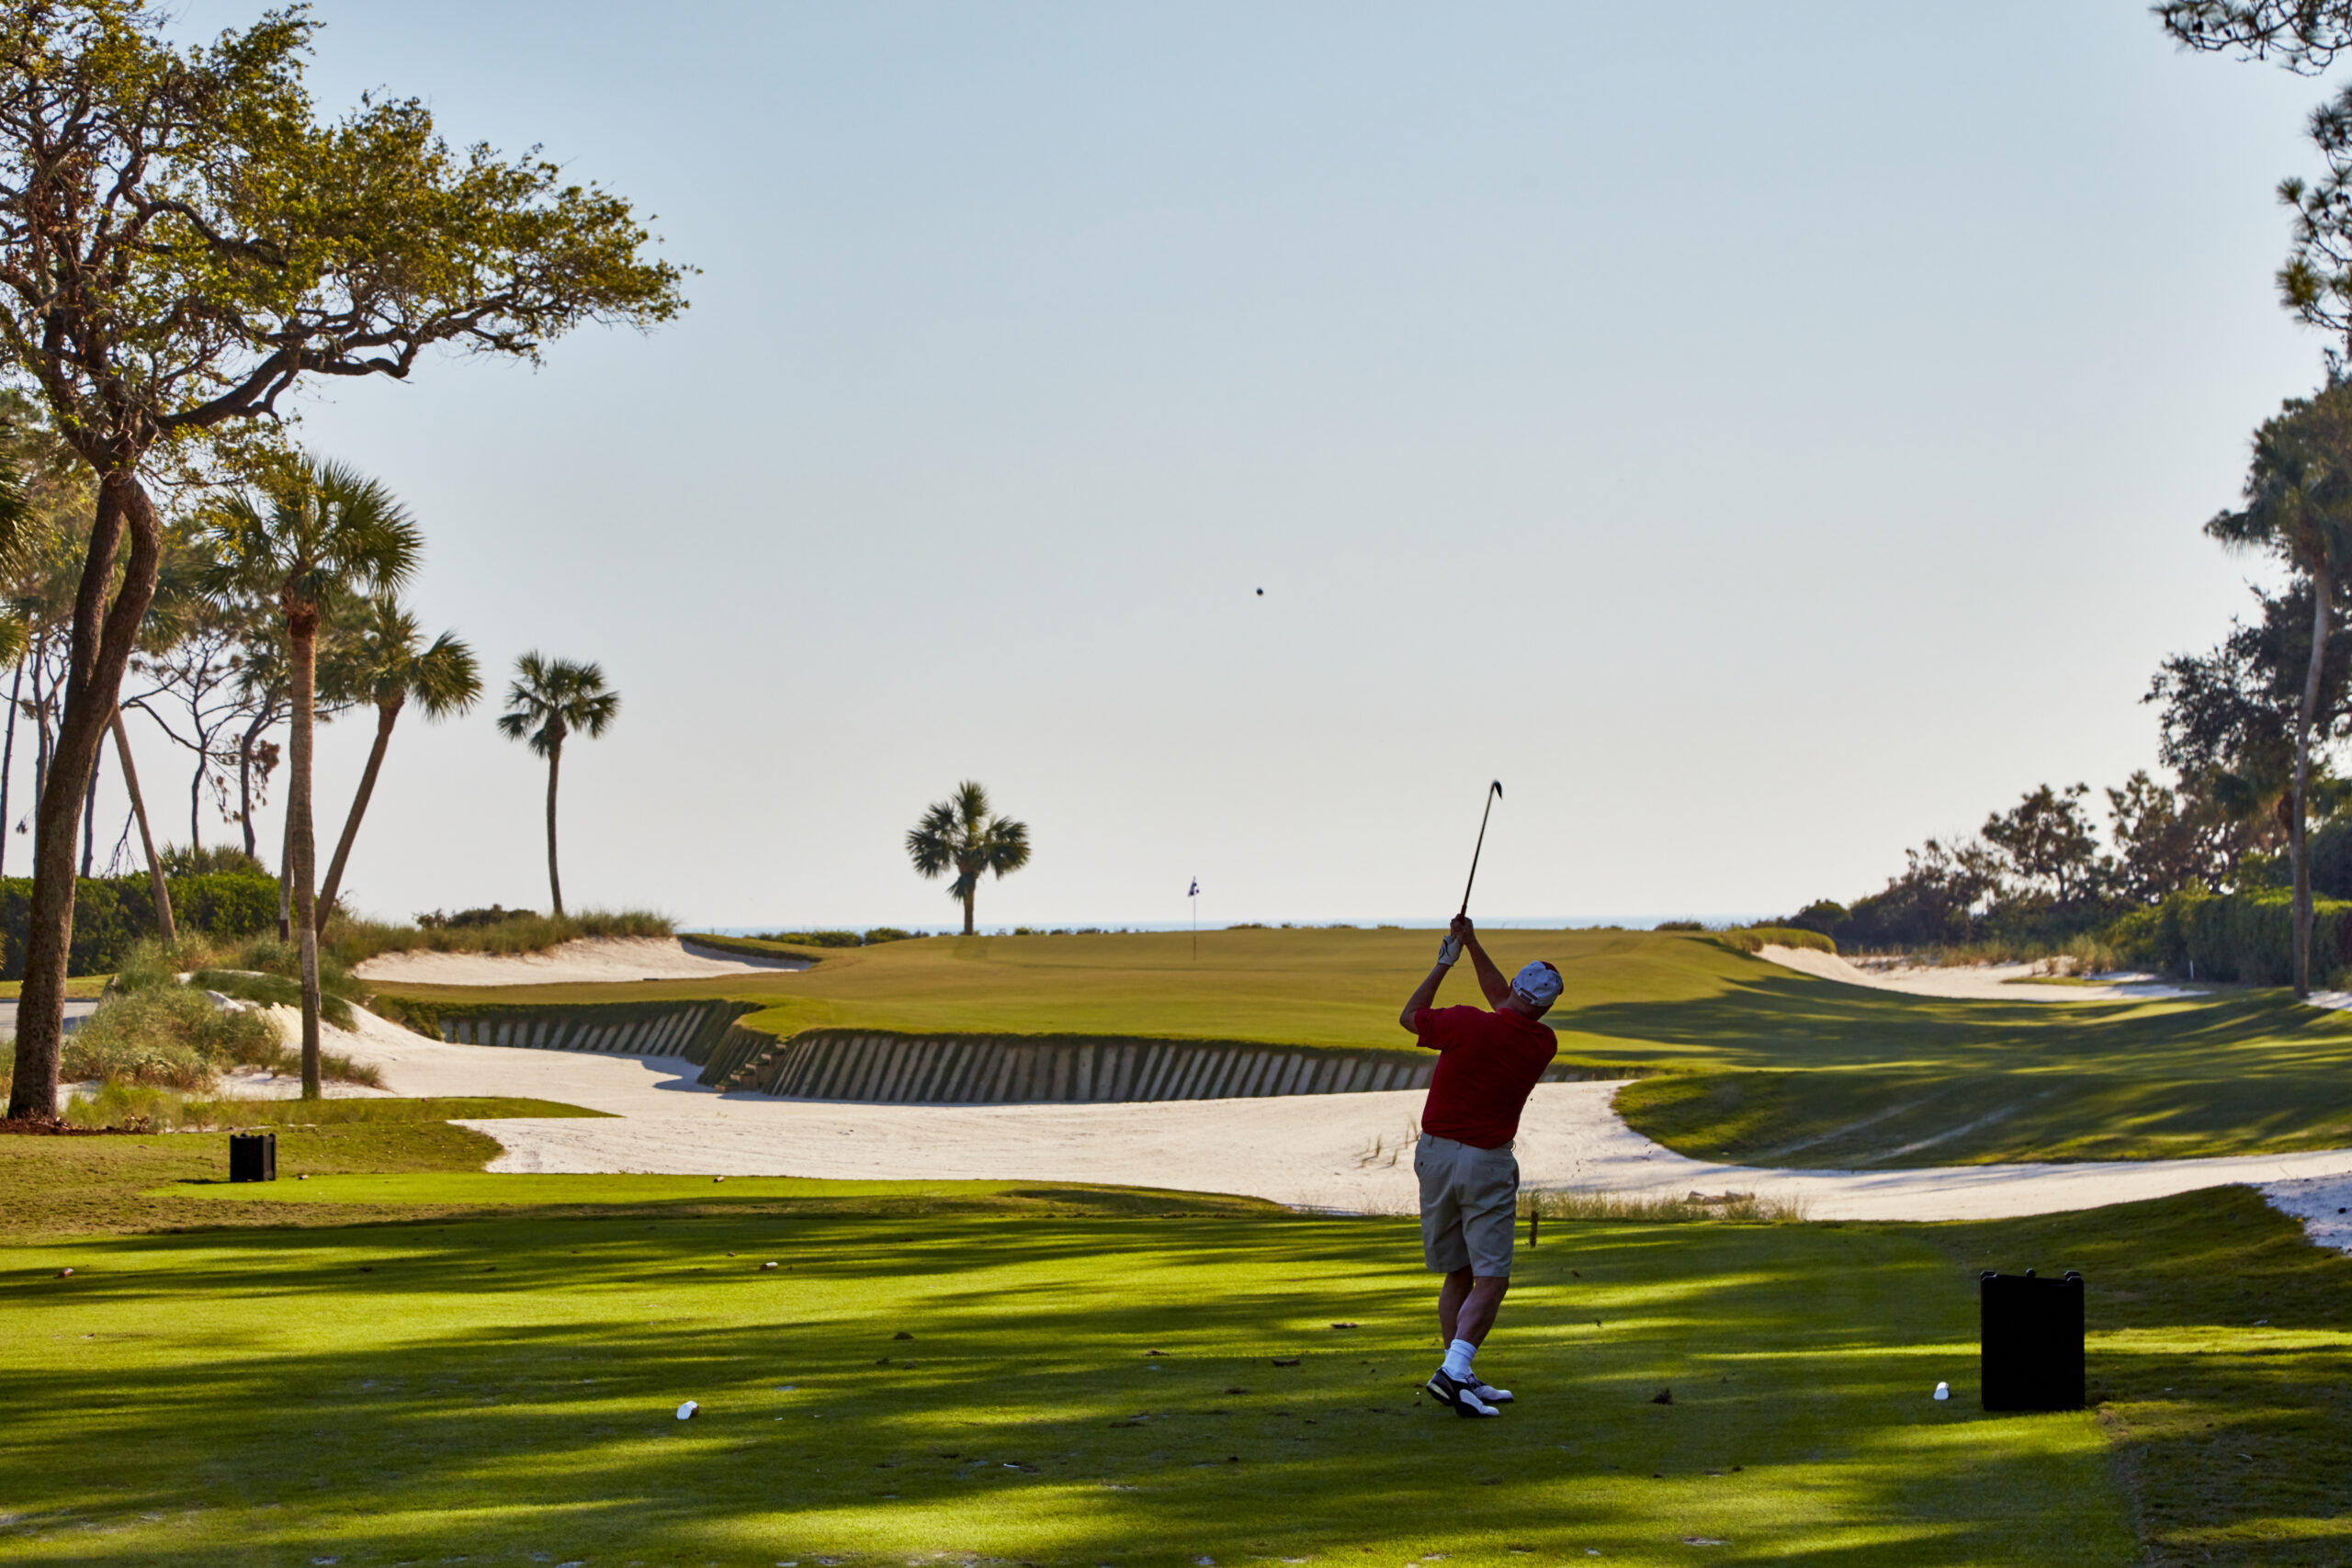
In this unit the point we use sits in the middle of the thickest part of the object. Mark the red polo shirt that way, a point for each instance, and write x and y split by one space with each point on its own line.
1488 1064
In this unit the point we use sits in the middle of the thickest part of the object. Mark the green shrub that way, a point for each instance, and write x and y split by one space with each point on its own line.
111 914
470 919
880 934
1679 926
206 860
2245 937
815 939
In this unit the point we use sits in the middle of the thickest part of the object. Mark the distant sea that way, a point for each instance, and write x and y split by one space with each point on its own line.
1486 922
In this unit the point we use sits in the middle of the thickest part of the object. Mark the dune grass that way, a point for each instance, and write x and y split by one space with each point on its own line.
1753 1062
352 941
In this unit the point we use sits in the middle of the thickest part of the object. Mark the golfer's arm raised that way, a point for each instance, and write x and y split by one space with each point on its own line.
1490 979
1423 995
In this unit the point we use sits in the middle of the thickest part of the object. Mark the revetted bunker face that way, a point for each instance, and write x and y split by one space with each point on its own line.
929 1070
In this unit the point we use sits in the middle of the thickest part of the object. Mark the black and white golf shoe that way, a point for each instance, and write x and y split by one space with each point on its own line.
1487 1393
1458 1394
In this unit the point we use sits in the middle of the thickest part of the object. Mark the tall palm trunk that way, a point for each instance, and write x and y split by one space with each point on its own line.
155 881
555 881
386 715
969 892
103 636
302 634
2322 602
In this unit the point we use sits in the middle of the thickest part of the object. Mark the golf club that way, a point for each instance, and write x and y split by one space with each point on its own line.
1494 793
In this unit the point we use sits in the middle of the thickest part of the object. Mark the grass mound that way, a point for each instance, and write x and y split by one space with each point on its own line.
167 1035
153 1033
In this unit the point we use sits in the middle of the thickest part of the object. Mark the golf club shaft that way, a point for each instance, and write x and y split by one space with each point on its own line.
1492 790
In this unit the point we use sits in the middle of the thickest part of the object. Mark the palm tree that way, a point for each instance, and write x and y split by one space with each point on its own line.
550 699
320 531
2299 508
958 832
391 663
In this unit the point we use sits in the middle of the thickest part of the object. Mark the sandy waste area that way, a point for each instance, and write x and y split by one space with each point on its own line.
1350 1152
1974 982
589 959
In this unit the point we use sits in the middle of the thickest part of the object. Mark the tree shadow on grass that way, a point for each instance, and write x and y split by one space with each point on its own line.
2221 1351
259 1396
1791 1020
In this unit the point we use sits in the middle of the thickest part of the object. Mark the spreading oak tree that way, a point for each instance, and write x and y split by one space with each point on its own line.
184 244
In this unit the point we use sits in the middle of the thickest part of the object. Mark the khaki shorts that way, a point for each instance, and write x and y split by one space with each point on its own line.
1469 1205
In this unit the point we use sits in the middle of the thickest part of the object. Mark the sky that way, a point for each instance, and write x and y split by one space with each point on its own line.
1761 437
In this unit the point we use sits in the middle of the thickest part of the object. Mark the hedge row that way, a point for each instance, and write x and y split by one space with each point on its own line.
112 913
2235 936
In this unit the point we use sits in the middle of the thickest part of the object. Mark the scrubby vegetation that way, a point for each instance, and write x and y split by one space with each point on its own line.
160 1025
352 941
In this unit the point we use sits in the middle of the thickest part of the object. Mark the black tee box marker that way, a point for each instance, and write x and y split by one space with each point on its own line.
252 1157
2030 1331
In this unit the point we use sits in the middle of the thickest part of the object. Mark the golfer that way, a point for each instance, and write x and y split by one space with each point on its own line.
1487 1065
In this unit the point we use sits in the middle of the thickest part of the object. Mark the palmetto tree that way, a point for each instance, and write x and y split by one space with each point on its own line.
317 532
550 700
958 834
390 665
2299 508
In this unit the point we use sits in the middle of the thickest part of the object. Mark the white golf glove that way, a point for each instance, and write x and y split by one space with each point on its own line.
1447 952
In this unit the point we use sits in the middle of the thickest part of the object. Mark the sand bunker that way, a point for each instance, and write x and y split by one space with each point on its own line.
588 959
1342 1151
1974 982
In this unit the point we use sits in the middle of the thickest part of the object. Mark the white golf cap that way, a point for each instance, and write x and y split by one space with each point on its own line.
1539 983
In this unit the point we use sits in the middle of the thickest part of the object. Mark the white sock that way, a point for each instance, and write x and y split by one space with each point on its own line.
1458 1356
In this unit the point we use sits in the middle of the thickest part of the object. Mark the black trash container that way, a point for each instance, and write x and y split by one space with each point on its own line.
2032 1332
252 1157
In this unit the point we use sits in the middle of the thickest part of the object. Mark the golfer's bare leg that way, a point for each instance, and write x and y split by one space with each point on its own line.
1467 1303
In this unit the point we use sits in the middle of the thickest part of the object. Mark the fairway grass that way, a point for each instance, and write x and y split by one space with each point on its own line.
984 1386
1742 1059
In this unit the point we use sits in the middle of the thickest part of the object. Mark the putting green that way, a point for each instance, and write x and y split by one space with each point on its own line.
1103 1390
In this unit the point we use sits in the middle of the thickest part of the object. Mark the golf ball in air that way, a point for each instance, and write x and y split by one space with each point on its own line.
1944 1391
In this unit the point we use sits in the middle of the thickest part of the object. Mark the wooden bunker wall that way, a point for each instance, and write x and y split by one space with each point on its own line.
874 1067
